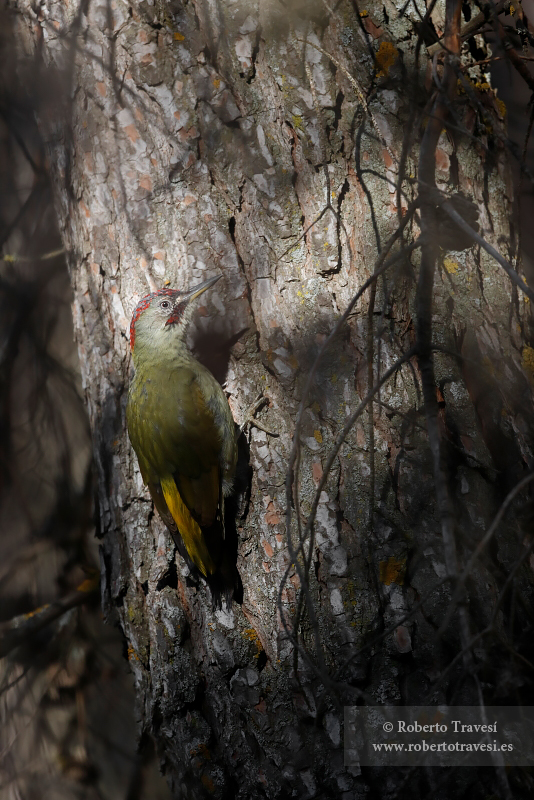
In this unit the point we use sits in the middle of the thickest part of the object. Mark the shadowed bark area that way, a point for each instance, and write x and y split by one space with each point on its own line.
279 146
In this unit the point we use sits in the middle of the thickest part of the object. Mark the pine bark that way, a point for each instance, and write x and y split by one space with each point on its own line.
197 138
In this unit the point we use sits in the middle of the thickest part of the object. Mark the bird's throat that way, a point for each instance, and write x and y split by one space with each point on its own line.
167 348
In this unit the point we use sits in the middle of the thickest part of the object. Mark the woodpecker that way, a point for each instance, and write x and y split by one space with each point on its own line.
182 430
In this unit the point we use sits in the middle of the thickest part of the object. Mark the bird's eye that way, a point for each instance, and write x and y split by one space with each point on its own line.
165 304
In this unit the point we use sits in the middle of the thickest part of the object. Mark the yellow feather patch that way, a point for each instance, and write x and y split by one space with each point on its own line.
188 527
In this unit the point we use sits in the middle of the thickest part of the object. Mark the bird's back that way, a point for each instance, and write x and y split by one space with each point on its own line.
182 430
179 420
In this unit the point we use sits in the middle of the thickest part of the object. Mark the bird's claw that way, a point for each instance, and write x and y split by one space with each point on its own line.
250 419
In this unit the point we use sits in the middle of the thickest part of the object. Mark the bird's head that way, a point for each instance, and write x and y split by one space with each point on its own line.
163 316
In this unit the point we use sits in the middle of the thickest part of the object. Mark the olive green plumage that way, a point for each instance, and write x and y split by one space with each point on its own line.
182 430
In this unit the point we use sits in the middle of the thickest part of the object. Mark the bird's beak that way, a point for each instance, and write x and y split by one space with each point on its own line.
193 293
183 300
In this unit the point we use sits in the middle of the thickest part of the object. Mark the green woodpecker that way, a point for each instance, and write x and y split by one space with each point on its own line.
182 430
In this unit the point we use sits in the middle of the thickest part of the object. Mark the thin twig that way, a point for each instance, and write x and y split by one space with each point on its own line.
20 629
414 110
479 548
469 28
439 199
429 252
16 259
309 532
520 187
359 92
380 268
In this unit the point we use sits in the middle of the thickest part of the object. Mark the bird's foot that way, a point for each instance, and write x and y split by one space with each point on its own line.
251 420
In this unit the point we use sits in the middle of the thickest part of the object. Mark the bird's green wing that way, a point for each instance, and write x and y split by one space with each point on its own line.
175 433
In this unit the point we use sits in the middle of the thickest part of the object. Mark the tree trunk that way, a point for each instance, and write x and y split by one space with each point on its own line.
265 143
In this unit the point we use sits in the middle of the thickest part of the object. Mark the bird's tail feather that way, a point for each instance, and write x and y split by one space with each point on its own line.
223 576
190 531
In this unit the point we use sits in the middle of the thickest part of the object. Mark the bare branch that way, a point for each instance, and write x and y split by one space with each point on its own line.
21 629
